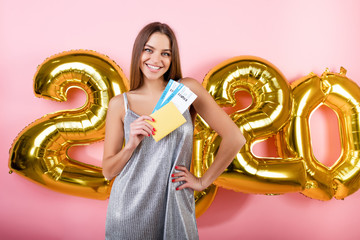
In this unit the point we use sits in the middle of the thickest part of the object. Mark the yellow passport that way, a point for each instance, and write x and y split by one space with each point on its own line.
167 119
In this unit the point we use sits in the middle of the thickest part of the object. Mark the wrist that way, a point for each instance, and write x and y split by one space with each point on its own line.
204 183
129 147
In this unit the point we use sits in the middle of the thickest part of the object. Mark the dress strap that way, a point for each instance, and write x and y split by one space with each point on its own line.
126 103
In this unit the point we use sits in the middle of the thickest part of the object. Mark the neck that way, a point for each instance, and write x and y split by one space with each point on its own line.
153 86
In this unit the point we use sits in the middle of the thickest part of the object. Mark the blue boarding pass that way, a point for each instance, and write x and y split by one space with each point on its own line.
170 90
179 94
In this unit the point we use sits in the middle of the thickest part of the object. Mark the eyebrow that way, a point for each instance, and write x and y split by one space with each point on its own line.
147 45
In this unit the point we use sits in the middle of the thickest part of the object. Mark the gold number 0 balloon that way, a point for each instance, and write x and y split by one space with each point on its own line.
268 113
343 96
39 152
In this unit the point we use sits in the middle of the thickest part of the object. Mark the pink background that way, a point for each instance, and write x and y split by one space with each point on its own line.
298 37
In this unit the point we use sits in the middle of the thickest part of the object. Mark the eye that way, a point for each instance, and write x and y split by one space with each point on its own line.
166 54
147 50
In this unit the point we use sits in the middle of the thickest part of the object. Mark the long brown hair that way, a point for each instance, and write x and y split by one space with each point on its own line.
174 72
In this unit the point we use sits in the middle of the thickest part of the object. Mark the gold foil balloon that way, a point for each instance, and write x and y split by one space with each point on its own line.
343 96
268 113
204 198
39 152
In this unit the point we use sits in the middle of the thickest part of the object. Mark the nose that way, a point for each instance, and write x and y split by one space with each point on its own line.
156 57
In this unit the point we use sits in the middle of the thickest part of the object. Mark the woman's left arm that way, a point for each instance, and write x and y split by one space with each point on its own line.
218 120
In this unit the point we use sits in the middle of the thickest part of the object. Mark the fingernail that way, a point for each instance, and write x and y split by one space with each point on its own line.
173 180
153 119
176 167
153 133
172 175
177 189
148 135
154 129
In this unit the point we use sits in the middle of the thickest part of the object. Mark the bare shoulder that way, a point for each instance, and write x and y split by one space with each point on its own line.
116 106
190 82
117 102
193 84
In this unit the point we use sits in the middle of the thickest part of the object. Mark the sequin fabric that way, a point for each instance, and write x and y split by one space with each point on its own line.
144 203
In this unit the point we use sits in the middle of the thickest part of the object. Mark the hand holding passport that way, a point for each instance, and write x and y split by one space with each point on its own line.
173 102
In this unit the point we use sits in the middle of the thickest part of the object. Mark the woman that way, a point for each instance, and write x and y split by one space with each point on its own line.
152 195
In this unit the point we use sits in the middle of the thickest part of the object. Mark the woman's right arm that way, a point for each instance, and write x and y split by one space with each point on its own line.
115 155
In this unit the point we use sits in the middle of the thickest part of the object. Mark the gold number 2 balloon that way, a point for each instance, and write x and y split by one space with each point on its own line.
268 113
39 152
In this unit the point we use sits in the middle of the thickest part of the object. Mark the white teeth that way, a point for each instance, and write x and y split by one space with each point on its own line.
153 67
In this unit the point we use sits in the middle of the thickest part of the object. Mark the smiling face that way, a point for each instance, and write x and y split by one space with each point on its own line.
155 58
154 39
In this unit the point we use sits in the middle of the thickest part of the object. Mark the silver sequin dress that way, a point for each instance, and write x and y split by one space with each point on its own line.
144 203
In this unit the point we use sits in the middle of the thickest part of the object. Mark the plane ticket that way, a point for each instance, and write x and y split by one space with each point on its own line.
179 94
